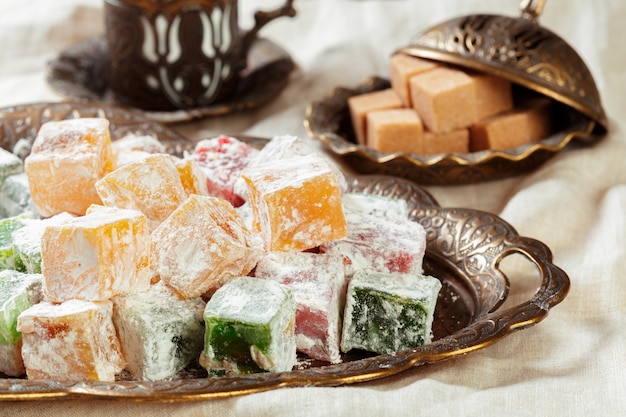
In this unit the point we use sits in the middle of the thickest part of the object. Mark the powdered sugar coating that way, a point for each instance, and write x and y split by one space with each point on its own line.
75 340
318 284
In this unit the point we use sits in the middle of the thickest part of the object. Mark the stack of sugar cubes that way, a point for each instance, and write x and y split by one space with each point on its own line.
231 257
433 108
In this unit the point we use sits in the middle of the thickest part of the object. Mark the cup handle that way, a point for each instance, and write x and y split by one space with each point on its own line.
262 18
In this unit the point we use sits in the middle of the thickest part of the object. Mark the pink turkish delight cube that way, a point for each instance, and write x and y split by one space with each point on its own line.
222 159
385 245
318 284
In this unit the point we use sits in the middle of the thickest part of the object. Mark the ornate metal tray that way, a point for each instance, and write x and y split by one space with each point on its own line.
79 73
464 250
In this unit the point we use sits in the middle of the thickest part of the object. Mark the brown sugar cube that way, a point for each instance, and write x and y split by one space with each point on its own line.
456 141
493 95
362 104
527 124
403 67
396 130
445 99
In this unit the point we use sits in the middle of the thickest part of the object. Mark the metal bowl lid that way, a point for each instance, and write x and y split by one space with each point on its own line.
518 49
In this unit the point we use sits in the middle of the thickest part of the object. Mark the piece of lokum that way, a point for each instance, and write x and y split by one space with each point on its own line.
286 147
15 197
8 259
66 160
74 340
318 285
222 159
97 256
192 177
358 205
387 313
160 333
151 186
296 203
381 244
201 245
134 148
250 328
10 164
18 292
26 241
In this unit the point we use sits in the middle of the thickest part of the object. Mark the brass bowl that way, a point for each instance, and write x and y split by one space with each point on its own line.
515 48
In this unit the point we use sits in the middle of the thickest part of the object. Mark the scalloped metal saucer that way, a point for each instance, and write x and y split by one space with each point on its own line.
518 49
464 250
78 73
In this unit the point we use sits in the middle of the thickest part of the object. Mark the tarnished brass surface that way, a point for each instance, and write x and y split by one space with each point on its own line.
464 250
518 49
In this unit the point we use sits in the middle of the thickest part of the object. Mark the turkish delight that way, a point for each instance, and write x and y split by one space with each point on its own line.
75 340
445 99
296 203
381 244
358 205
192 177
318 284
250 328
402 68
97 256
525 124
152 186
15 197
10 164
8 258
285 147
395 130
26 241
134 148
361 105
201 245
66 160
454 141
18 292
386 313
160 333
222 159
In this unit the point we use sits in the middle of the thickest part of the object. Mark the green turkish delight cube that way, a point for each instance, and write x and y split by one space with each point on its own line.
160 333
10 164
387 313
15 196
18 292
26 241
250 327
8 260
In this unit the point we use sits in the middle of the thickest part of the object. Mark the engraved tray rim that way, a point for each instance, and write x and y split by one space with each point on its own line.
478 244
324 118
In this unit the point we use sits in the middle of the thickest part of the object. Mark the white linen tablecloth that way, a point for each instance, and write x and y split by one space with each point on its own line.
572 363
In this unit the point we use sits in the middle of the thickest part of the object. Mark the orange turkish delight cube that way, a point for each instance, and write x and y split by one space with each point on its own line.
97 256
192 177
201 245
152 186
75 340
66 160
296 203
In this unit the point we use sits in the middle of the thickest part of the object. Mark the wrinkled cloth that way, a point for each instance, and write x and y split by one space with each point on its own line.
572 363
